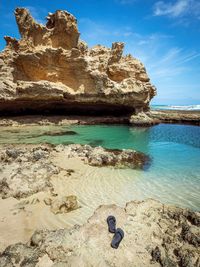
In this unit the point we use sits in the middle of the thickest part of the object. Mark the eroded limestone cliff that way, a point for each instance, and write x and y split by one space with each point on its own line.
50 69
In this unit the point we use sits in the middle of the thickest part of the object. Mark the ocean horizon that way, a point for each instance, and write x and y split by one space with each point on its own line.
176 107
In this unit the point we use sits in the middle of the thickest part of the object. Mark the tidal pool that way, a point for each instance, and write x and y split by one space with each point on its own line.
173 177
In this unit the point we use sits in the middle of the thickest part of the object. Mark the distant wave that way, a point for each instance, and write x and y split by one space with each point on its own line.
170 107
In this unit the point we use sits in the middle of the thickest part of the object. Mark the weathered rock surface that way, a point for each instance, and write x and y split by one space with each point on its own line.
62 204
25 171
99 156
143 119
50 69
155 235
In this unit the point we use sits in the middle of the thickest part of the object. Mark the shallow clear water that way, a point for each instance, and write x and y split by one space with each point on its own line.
173 177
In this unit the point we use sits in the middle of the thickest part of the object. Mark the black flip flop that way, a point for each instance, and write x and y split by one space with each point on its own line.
117 238
111 224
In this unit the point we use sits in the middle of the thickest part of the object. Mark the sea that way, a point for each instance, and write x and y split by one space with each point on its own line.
176 107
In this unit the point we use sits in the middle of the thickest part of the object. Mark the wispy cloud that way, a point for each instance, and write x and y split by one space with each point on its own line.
178 8
38 13
173 72
125 2
171 9
169 63
173 69
95 32
152 38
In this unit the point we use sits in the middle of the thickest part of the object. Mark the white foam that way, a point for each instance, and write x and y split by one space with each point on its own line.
176 107
189 107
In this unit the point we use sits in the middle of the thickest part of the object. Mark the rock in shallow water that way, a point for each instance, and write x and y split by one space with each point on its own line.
62 204
99 156
60 133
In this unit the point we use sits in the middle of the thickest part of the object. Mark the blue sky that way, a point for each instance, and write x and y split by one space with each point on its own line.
164 35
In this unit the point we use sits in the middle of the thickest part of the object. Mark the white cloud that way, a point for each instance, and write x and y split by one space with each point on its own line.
178 8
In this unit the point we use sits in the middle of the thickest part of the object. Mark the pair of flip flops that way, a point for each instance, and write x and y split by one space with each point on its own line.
118 233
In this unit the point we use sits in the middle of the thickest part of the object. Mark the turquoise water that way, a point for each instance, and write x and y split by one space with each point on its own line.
174 175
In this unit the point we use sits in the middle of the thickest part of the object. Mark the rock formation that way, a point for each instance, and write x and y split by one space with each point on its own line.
155 235
176 116
51 70
62 204
25 171
100 157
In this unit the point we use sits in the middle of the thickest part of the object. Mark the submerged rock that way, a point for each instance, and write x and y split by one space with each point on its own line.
60 133
152 238
51 70
95 142
62 204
